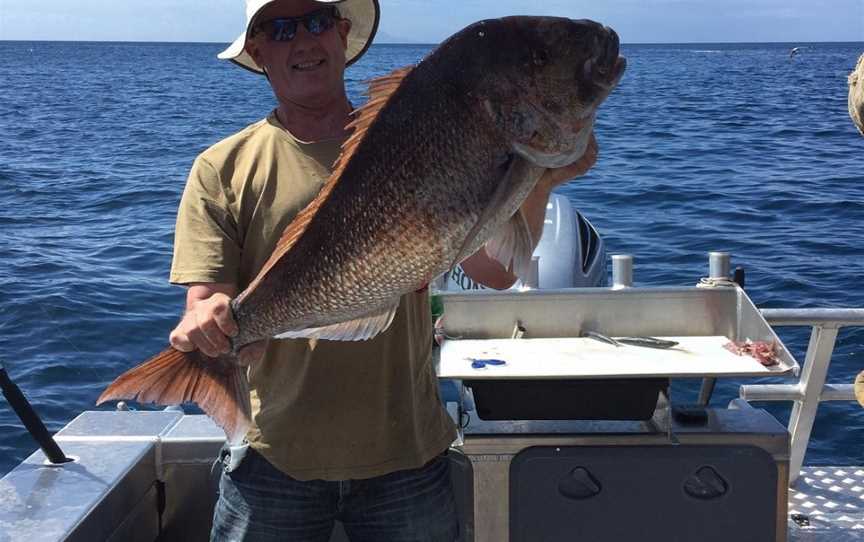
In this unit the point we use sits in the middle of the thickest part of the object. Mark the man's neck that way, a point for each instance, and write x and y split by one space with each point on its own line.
315 124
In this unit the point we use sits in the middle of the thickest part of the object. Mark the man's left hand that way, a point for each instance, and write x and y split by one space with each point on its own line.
557 176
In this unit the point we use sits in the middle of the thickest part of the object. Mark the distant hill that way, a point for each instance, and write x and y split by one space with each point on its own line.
386 37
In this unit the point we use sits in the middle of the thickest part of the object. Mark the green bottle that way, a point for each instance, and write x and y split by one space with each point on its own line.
437 306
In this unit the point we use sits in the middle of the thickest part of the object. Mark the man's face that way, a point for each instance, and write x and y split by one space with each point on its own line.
307 70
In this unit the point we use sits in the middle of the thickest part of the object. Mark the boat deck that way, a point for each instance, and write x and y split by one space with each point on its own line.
827 504
148 475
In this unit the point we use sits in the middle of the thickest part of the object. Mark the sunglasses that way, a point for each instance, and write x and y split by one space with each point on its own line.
285 28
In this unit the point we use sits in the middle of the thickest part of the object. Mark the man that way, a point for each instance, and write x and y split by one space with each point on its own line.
353 431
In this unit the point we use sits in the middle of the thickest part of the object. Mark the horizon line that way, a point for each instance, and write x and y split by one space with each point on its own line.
226 43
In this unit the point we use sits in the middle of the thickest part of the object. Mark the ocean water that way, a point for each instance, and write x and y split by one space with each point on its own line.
702 147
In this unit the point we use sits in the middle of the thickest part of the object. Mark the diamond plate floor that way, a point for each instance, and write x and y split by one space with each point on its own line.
827 505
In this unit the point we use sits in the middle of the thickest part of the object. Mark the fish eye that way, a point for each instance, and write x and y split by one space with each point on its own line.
540 57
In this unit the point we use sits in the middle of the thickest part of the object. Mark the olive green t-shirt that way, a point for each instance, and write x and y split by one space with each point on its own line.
321 409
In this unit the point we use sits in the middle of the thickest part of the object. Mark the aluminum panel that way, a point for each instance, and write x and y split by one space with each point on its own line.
140 423
688 314
195 440
41 502
491 446
195 426
567 312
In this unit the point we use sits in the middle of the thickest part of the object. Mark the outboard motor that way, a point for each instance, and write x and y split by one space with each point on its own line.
571 254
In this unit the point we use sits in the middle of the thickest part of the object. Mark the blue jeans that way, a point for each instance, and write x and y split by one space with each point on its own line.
258 502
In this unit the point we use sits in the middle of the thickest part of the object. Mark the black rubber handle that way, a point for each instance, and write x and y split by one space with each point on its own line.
579 484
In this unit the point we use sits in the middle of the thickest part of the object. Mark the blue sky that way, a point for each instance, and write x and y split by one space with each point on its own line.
429 21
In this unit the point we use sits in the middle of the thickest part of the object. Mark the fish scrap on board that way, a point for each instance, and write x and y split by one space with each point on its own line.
440 159
765 352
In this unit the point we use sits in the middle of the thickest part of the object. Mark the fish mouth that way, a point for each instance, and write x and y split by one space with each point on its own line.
606 67
604 77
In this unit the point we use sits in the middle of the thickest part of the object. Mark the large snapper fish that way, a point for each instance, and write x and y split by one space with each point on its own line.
441 158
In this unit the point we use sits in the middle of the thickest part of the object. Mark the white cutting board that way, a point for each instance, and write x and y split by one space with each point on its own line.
590 358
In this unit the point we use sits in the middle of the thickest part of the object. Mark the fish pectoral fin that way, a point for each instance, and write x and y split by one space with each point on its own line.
172 377
518 178
502 190
360 329
513 246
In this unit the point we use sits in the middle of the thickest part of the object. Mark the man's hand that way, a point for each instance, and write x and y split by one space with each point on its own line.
208 323
558 176
206 326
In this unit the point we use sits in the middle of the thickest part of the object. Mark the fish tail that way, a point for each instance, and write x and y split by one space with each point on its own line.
217 385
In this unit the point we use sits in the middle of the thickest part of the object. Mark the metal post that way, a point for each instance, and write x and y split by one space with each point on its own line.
30 419
718 268
622 271
794 392
706 391
533 279
718 265
812 381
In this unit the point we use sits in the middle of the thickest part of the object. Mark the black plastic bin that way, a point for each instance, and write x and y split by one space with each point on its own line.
583 399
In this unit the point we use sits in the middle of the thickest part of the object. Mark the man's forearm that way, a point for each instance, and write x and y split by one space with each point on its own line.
492 273
534 210
199 291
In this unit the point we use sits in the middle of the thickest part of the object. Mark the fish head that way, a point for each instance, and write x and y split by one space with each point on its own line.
541 80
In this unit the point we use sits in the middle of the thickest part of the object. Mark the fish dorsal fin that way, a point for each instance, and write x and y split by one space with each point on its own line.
293 232
379 92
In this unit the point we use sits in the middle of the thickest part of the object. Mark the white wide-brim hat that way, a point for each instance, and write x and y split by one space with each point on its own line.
363 14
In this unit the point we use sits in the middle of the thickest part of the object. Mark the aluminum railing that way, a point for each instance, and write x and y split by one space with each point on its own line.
811 388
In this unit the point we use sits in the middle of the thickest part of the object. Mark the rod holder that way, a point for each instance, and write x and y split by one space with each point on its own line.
622 271
718 265
30 419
